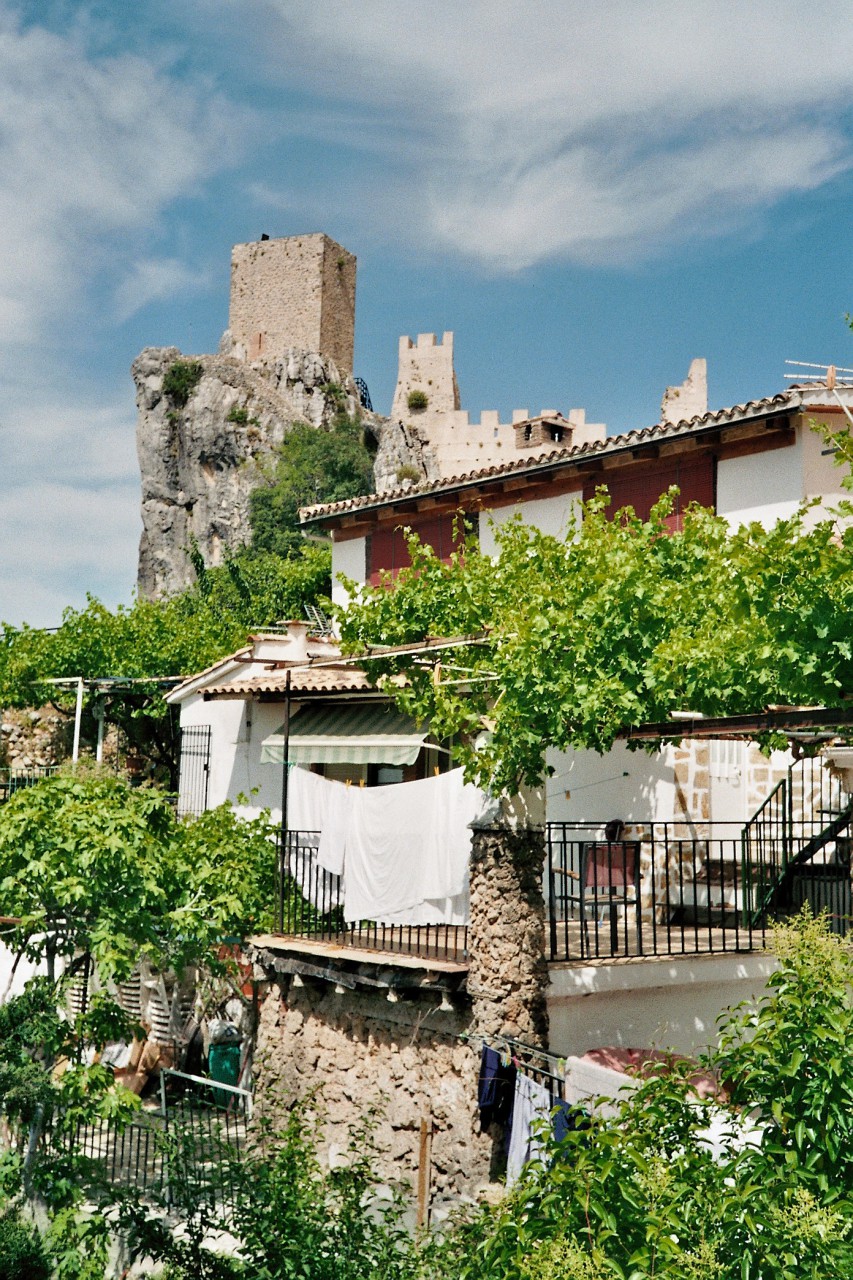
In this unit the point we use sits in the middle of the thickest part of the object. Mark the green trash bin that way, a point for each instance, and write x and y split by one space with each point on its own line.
224 1064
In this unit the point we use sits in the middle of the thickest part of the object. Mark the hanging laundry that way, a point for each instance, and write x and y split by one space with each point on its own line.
531 1105
407 851
310 799
334 833
495 1089
567 1119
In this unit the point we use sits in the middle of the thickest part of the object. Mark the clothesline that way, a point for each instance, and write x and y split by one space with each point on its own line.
555 1065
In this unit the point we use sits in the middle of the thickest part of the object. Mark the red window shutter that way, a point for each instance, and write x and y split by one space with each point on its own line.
641 487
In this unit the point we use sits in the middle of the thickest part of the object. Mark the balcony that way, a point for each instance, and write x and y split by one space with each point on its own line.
661 889
310 907
673 889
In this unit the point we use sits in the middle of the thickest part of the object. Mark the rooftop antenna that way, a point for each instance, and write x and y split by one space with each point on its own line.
825 375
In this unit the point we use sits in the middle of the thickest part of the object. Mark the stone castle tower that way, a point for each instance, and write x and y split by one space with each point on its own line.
287 357
298 293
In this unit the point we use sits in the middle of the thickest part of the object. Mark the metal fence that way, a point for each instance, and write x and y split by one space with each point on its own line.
182 1154
669 888
310 905
12 780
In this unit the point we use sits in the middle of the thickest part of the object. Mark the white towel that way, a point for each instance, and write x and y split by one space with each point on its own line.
531 1105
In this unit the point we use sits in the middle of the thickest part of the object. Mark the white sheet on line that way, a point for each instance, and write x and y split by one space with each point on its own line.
309 800
407 851
403 849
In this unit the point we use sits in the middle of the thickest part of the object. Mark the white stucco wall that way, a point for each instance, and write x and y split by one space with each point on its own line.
630 785
12 979
667 1003
551 515
821 476
348 558
762 486
238 729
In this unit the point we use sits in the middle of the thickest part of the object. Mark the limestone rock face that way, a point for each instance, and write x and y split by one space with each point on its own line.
404 454
199 462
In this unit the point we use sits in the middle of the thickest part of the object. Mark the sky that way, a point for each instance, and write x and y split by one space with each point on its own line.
588 196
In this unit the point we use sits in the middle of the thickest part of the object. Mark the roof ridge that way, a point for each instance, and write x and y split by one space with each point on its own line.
608 445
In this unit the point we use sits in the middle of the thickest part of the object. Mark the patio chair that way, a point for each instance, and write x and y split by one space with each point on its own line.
609 879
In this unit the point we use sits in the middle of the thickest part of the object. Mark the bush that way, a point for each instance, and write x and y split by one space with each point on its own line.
417 401
22 1255
181 379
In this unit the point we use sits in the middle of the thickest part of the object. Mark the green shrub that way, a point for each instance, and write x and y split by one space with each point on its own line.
181 379
237 414
22 1255
408 472
417 401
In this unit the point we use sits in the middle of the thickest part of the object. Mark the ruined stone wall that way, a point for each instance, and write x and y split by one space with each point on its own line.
298 291
401 1059
34 739
394 1038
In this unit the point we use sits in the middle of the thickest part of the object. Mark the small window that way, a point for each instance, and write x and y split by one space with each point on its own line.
388 774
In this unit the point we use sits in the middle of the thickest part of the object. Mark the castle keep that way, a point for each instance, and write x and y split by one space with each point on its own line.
298 292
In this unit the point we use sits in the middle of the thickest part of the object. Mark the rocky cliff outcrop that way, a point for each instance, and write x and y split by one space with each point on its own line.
200 461
404 454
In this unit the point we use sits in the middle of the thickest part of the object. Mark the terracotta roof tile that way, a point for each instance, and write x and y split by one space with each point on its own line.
302 680
599 448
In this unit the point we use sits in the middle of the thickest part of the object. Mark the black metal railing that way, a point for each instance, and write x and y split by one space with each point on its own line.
310 905
12 780
677 888
184 1152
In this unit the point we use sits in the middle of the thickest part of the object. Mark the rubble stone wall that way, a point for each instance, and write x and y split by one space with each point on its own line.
402 1060
508 973
34 739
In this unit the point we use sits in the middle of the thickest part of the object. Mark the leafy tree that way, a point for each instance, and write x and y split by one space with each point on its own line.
315 464
643 1193
97 871
22 1254
158 638
618 623
91 865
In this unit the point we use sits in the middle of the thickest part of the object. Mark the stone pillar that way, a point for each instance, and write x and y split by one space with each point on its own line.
508 974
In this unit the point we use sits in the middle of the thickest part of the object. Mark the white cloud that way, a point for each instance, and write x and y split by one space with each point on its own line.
542 128
95 148
57 537
92 149
69 504
155 280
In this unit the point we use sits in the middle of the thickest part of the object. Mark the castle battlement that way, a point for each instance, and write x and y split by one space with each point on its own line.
427 398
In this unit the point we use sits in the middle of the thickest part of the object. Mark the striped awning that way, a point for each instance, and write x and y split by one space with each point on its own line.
347 735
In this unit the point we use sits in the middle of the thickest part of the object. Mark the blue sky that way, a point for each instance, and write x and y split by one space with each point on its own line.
587 195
